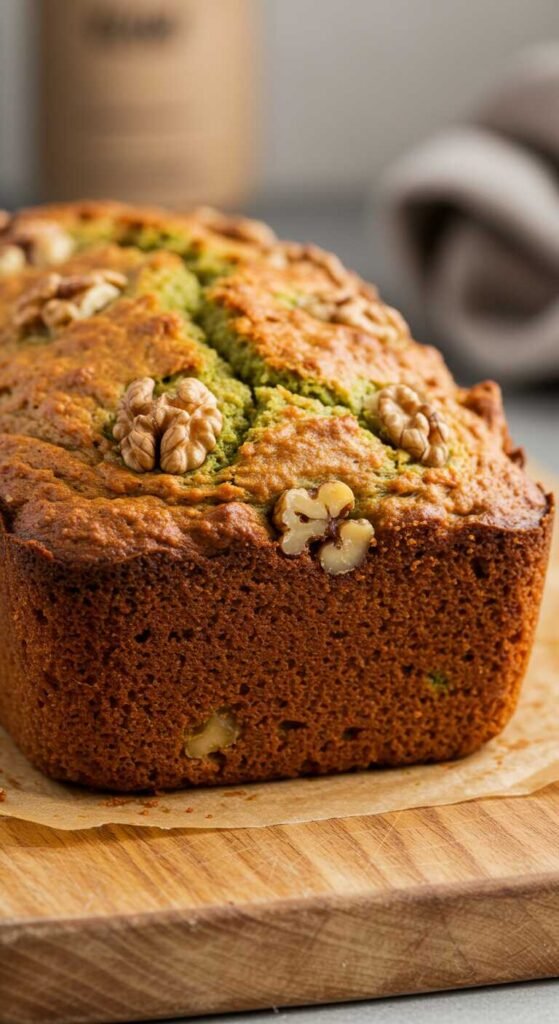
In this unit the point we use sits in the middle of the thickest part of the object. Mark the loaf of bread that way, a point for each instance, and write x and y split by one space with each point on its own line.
250 529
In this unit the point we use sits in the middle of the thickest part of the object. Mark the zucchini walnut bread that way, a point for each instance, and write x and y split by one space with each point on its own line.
251 529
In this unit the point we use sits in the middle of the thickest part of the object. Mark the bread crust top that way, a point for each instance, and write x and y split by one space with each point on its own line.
296 351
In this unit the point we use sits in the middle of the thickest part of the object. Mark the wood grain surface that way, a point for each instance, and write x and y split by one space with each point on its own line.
122 924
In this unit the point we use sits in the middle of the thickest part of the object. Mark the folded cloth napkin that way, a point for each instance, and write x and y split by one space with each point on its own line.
475 214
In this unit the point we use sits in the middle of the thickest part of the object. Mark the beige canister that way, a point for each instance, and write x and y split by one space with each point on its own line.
147 100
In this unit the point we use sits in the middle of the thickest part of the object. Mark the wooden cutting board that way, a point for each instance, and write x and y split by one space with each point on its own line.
126 924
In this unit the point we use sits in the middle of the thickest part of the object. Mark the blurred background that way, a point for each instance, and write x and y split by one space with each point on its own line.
417 138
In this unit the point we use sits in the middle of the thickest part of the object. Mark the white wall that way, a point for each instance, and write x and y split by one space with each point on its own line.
350 83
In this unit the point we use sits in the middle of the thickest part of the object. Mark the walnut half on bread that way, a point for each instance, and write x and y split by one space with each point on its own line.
250 529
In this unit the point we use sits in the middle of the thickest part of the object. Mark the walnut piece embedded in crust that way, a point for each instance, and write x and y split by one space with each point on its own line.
55 301
367 315
217 733
285 253
28 312
346 305
349 549
137 400
304 517
139 446
83 295
12 260
241 229
43 243
46 243
329 262
411 424
176 430
191 423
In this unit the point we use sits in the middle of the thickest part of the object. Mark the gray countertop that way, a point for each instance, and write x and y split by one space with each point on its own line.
530 1003
534 421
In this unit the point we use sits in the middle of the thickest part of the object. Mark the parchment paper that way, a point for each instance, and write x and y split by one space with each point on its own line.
523 759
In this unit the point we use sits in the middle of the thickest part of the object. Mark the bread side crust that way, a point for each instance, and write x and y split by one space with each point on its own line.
417 656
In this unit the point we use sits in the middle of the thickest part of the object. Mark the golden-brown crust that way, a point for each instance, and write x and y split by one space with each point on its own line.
417 654
58 399
294 339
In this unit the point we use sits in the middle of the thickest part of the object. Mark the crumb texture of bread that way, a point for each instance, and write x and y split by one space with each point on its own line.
343 567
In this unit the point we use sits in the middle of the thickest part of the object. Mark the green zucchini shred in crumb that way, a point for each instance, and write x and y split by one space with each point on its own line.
176 288
438 682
